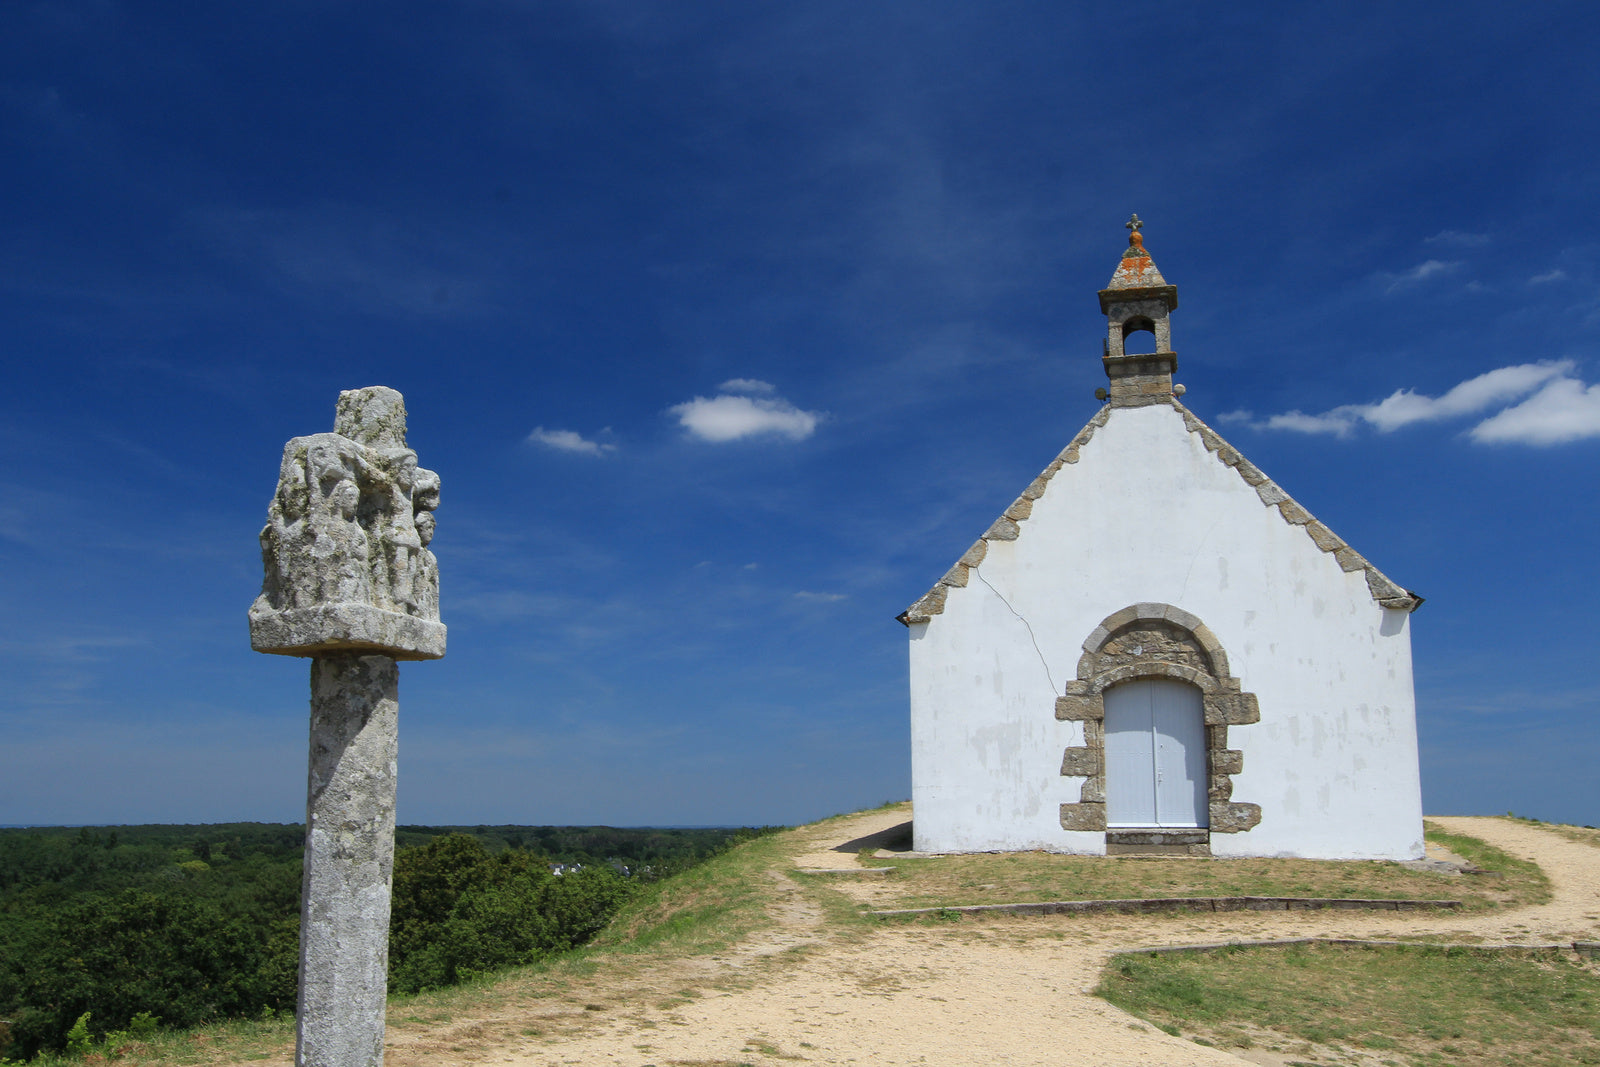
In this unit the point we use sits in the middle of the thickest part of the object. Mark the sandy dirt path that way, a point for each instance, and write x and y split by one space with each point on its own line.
1011 990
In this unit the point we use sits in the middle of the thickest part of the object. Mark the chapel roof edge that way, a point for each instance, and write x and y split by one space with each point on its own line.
1009 526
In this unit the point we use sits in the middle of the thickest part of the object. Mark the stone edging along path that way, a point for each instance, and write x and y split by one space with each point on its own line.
1145 905
1582 948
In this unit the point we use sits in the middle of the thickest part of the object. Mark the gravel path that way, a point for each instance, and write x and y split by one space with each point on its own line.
1010 990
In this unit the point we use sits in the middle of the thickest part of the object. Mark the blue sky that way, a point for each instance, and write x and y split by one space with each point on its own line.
728 327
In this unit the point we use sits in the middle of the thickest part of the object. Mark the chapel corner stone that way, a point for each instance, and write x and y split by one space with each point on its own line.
345 557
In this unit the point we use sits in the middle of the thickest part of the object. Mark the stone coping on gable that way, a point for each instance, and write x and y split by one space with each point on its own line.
1007 527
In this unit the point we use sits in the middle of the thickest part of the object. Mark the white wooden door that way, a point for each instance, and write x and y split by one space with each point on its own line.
1155 740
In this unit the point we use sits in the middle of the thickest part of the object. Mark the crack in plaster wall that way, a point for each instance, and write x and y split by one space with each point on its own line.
1184 591
1035 641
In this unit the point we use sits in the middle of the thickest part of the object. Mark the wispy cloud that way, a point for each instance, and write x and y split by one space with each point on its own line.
1339 421
747 385
1420 273
1548 276
380 262
570 441
1561 408
821 598
65 648
1457 239
733 415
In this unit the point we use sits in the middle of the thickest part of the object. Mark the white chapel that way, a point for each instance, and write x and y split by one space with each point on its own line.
1156 650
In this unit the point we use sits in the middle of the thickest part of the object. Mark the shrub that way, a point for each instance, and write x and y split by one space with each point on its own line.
459 911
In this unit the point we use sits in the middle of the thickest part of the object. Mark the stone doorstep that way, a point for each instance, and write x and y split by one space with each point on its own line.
1197 836
1169 851
1153 842
1144 905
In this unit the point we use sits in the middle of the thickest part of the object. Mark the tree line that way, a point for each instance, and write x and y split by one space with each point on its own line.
187 924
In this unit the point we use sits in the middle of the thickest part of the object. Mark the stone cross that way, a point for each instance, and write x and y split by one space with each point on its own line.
350 582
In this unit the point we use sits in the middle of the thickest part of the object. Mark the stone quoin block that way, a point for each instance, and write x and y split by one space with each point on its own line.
1226 761
1082 762
1082 816
1077 708
1231 709
1231 817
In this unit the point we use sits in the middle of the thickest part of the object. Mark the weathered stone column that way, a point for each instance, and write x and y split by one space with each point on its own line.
344 914
350 582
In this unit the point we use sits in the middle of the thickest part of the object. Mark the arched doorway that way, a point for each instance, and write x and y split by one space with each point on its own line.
1155 755
1153 644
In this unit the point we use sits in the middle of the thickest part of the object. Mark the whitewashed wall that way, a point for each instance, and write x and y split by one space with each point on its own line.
1148 515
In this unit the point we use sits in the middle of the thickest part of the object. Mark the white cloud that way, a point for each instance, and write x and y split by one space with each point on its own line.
747 385
1561 408
1564 410
569 441
732 417
1457 239
1557 275
1338 422
821 598
1421 272
1404 407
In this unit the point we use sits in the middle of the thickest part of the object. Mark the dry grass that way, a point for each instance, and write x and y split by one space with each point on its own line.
236 1041
1587 835
1414 1006
1004 878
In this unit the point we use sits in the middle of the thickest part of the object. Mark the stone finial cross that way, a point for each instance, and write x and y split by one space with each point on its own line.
349 582
1133 224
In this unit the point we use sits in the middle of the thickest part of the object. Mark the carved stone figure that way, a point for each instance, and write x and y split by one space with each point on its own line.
346 567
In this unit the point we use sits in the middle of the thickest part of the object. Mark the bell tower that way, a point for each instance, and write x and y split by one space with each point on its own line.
1138 299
